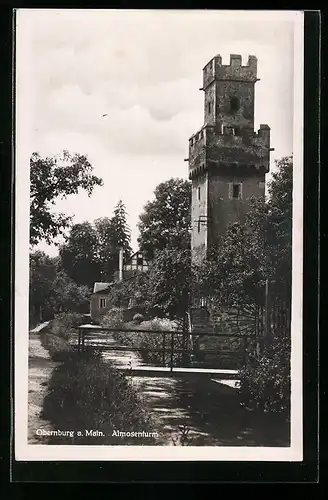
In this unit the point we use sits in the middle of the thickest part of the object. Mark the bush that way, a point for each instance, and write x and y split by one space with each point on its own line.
138 318
87 393
58 348
113 318
64 324
265 381
153 341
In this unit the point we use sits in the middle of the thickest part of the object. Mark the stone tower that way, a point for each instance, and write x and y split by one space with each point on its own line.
228 160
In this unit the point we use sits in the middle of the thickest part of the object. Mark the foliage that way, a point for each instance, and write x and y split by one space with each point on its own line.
138 318
79 254
265 380
170 281
67 296
51 291
113 318
58 348
91 250
134 288
165 222
182 438
279 226
154 341
64 325
42 274
104 251
87 393
112 234
166 284
54 178
120 231
235 272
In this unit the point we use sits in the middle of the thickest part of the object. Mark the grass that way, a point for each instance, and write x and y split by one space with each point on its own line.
86 393
58 348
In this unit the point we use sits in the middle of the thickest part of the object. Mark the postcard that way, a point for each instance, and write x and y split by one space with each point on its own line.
158 235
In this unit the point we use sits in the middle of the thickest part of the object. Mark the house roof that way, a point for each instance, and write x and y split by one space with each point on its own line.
99 286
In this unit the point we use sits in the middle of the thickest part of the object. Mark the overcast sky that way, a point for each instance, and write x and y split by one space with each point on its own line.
143 69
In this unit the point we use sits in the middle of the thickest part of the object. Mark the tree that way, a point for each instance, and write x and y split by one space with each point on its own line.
119 236
54 178
166 285
91 250
279 223
170 281
42 275
51 290
79 255
135 288
67 296
104 230
236 271
265 379
165 222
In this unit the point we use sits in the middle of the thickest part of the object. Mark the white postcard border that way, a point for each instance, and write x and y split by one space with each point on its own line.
26 452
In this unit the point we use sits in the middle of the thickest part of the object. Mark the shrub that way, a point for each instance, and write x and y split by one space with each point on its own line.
87 393
138 318
153 341
64 324
265 381
113 318
58 348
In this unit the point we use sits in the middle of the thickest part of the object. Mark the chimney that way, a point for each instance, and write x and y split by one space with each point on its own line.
120 265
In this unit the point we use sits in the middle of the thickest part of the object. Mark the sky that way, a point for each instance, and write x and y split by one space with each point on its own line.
143 69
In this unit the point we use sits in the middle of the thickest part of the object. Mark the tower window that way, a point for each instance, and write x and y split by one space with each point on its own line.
234 104
209 107
198 193
235 191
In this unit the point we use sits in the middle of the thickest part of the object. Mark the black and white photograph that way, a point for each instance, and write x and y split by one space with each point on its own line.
158 235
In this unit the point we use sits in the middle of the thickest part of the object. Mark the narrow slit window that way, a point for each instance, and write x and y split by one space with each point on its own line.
209 107
234 104
198 193
236 191
198 226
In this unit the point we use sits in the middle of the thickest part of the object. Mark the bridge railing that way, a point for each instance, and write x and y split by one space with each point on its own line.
168 348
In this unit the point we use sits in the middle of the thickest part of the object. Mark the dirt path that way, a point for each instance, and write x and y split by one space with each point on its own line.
39 372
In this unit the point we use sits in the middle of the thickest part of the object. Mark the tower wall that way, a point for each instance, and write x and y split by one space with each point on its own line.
223 211
199 212
244 116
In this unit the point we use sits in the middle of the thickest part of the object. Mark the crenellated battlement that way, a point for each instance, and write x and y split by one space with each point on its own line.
211 145
215 70
208 130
